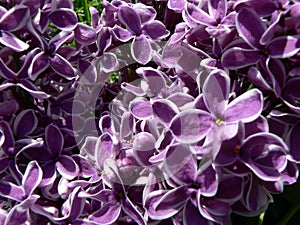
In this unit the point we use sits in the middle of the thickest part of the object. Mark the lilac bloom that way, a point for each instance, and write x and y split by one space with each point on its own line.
49 55
192 190
217 22
23 194
115 200
52 157
142 33
216 119
10 21
256 50
21 78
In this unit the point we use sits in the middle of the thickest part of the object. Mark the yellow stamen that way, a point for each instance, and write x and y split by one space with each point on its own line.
219 122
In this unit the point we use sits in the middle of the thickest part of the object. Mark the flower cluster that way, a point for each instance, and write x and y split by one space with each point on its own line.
151 112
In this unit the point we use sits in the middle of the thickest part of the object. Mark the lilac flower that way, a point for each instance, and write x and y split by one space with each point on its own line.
256 49
10 21
21 79
52 157
115 200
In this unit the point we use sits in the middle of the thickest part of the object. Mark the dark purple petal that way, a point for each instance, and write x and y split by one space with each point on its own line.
25 123
180 164
284 46
155 30
11 41
250 27
11 191
141 109
54 139
76 204
32 90
39 63
58 40
230 188
130 19
236 58
49 173
61 66
191 126
294 142
141 50
64 19
67 167
9 140
207 179
130 209
6 72
191 215
85 34
176 5
15 18
164 109
107 214
32 177
247 107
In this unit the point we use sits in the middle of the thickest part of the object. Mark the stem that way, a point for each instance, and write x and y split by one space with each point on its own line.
86 11
261 219
289 214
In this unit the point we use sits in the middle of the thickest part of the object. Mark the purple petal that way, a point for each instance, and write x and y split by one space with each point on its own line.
143 147
11 191
247 107
130 19
121 34
108 214
61 66
180 164
64 19
16 216
85 34
32 177
32 90
236 58
141 50
155 30
250 27
294 142
67 167
141 109
198 15
181 99
76 204
217 8
9 140
49 173
191 126
132 212
112 172
54 139
230 188
40 62
191 215
103 149
6 72
127 123
25 123
164 109
109 62
11 41
176 5
207 179
15 18
284 46
216 92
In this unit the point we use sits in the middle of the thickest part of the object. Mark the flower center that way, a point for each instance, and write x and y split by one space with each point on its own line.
237 149
219 122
